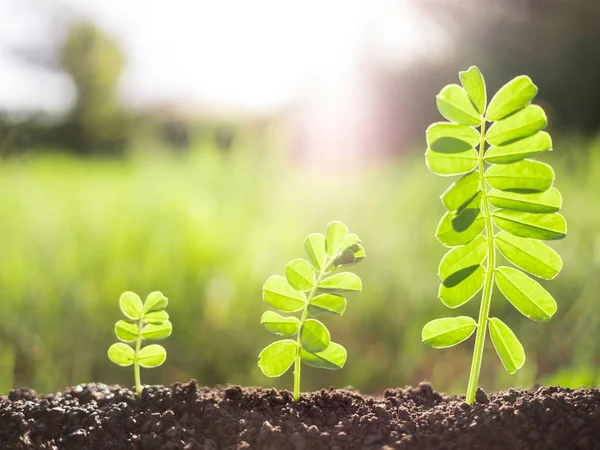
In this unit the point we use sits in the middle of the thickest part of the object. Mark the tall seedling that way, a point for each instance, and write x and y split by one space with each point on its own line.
501 189
312 288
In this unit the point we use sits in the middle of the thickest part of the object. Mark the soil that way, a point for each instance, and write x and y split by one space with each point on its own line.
187 416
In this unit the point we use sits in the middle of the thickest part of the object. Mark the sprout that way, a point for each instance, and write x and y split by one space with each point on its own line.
147 320
310 288
499 188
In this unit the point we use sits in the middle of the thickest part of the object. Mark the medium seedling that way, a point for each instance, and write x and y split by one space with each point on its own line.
144 321
312 288
500 187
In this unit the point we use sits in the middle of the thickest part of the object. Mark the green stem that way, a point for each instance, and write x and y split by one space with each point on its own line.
484 310
298 360
136 364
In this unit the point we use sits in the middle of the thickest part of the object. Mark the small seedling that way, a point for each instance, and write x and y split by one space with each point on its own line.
147 320
311 288
500 188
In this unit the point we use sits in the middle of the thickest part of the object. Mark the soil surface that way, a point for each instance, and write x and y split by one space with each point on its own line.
187 416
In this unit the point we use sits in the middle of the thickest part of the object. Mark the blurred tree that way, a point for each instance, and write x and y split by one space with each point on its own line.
94 60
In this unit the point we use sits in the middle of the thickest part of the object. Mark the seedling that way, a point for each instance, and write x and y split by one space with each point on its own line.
311 288
500 188
147 320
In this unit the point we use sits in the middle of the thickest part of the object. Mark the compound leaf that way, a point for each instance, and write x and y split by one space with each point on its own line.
155 301
523 176
300 274
316 251
459 294
546 227
507 345
152 356
276 358
468 256
449 331
529 254
526 294
454 104
127 331
518 150
156 317
461 227
344 281
278 324
121 354
327 304
461 192
157 331
131 305
448 164
314 336
541 202
278 293
521 124
513 96
332 358
472 81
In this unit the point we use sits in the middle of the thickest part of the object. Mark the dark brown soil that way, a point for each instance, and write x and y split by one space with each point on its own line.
186 416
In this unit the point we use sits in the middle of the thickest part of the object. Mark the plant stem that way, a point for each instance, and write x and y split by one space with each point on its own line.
298 360
136 364
484 310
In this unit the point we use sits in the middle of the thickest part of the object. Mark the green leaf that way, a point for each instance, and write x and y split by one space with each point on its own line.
526 294
277 324
131 305
344 281
542 202
454 104
278 293
546 227
315 248
459 294
156 317
524 176
444 137
121 354
157 332
152 356
335 236
507 345
518 150
523 123
126 331
155 302
300 274
332 358
533 256
449 331
513 96
461 192
350 256
275 359
327 304
351 241
447 164
472 81
461 227
314 336
454 263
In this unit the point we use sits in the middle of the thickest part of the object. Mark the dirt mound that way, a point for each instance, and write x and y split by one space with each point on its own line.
187 416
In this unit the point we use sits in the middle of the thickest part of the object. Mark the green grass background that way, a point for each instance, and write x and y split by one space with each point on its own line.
208 229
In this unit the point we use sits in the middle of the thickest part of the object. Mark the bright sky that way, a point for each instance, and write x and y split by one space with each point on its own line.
256 55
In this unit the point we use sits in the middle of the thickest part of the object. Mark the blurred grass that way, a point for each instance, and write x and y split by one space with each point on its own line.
209 229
